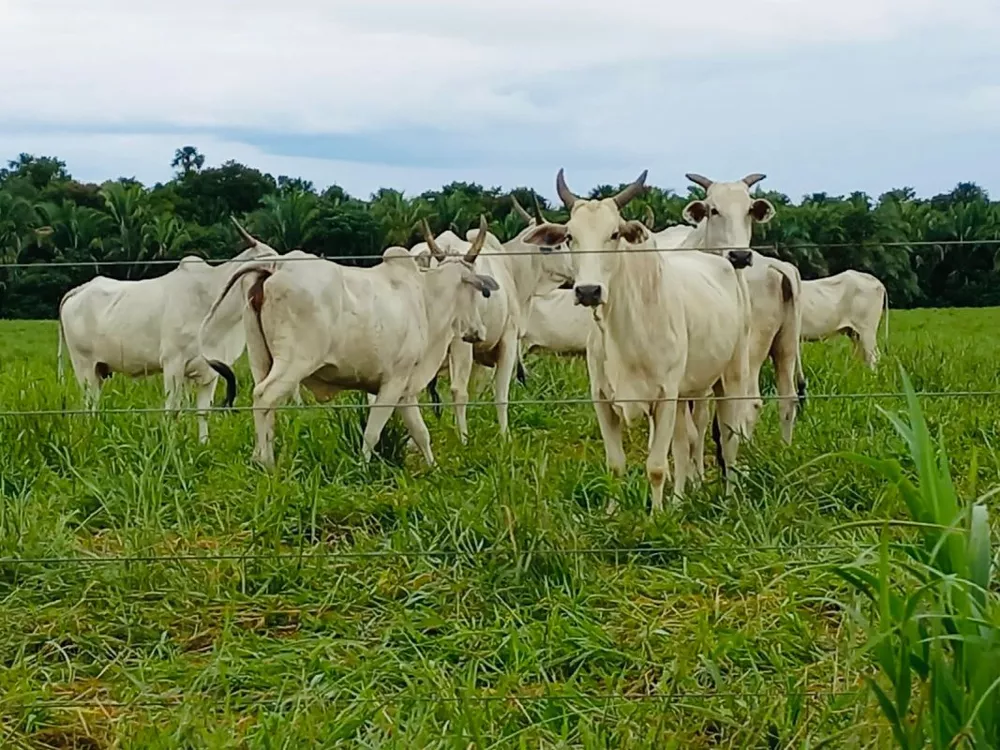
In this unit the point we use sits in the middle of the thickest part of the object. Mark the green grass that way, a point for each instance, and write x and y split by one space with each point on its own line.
716 627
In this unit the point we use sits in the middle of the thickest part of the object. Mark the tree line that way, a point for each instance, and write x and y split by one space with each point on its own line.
942 251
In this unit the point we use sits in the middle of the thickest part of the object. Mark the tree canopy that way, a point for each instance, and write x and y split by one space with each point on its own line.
941 251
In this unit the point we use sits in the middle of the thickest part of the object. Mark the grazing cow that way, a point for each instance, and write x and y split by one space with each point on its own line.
151 326
669 326
523 271
383 330
724 223
850 302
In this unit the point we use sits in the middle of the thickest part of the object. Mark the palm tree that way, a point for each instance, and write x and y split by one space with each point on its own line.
128 207
165 236
188 159
397 216
288 220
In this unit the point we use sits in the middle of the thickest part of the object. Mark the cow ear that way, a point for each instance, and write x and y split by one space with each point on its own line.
633 232
762 211
694 212
546 235
481 282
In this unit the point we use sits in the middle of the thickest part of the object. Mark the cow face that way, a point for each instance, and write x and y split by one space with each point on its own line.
459 277
729 212
595 234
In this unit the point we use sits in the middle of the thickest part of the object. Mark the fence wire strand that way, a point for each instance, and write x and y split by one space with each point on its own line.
879 395
775 248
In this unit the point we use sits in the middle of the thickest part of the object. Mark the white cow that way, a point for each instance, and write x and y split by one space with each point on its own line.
523 271
850 302
383 330
724 225
151 326
668 326
557 323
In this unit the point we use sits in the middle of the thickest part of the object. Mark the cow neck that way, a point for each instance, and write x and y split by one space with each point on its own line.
523 270
439 306
633 284
696 239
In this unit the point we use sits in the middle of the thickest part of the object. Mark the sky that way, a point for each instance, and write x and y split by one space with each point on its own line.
820 95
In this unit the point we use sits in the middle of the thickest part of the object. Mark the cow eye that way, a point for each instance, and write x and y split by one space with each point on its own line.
714 211
615 235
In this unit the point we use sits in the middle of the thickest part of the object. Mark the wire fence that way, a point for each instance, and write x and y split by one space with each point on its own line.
773 247
138 411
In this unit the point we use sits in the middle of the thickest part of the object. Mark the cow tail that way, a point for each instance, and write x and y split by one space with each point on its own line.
224 370
62 334
432 391
788 295
717 439
885 302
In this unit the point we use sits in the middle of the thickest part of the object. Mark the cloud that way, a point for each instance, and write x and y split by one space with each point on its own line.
312 66
820 94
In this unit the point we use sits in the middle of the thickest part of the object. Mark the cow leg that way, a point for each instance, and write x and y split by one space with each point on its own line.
784 354
269 393
204 402
682 442
90 383
379 413
173 386
726 430
414 422
700 418
867 346
460 374
664 421
506 361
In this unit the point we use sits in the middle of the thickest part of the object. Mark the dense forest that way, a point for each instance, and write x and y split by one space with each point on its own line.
942 251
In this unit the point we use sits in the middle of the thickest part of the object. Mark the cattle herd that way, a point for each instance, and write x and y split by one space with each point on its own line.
665 319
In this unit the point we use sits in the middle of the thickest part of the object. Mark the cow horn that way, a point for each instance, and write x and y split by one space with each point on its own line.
477 244
436 251
243 232
632 190
565 194
649 219
753 179
539 218
698 179
520 209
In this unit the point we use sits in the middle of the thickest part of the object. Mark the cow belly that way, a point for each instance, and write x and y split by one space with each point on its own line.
134 358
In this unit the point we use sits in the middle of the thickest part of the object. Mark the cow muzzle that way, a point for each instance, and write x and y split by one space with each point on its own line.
740 258
588 295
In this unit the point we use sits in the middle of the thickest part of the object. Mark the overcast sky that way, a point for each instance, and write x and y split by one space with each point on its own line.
832 95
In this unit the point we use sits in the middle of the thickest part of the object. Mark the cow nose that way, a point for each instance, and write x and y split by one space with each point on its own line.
472 337
588 295
741 258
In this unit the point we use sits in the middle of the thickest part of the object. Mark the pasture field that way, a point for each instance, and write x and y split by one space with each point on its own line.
489 602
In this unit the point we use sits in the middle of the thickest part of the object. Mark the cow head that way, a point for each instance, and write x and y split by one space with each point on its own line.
595 233
457 273
729 213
